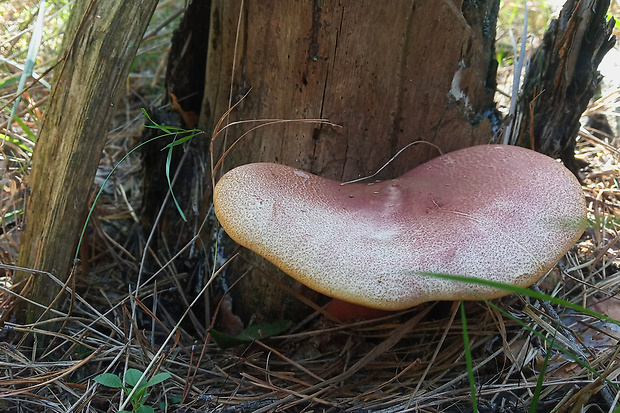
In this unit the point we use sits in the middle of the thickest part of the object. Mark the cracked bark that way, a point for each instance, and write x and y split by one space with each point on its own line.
562 79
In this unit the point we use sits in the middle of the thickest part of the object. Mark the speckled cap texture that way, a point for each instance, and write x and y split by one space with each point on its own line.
497 212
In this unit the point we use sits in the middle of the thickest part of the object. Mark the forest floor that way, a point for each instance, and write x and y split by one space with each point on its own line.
524 351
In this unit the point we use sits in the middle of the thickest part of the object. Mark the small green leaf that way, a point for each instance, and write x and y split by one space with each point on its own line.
81 351
109 380
132 376
158 378
260 331
253 332
145 409
225 341
173 400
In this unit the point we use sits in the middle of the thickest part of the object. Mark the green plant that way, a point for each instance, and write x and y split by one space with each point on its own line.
183 136
468 361
250 334
540 296
541 380
164 405
551 341
135 387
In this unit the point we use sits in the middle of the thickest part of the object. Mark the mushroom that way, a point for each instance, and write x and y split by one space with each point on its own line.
498 212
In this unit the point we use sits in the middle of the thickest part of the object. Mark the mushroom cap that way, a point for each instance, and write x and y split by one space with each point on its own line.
498 212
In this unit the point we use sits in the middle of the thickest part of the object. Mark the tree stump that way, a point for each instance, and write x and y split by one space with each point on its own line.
388 74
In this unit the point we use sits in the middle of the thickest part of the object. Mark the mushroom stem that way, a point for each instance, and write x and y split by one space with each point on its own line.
344 311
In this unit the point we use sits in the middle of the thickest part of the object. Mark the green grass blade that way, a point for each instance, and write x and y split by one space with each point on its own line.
92 208
520 290
16 142
191 133
11 80
31 57
10 215
169 131
27 131
552 343
468 361
537 295
25 128
541 379
155 125
174 198
172 131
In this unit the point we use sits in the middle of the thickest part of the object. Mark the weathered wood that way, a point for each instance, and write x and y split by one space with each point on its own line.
388 73
101 41
562 79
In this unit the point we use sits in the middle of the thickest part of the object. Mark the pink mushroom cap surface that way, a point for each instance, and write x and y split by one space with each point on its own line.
498 212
